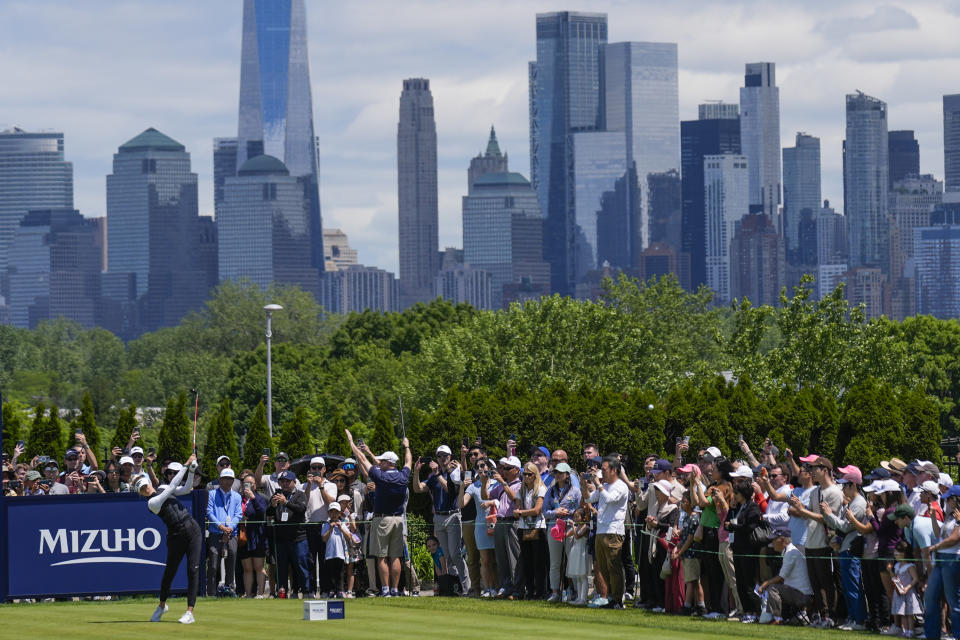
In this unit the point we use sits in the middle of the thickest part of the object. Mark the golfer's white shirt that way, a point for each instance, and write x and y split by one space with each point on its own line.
611 500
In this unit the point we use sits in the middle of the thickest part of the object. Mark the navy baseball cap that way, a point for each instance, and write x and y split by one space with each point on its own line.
662 465
287 475
544 451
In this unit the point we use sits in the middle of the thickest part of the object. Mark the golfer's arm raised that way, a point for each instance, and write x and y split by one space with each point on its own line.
158 499
186 487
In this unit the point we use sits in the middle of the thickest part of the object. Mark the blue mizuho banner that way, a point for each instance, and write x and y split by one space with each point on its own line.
90 544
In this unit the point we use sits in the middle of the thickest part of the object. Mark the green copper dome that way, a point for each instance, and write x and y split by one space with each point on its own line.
263 165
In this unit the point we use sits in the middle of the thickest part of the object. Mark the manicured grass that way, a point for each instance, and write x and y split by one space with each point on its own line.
374 618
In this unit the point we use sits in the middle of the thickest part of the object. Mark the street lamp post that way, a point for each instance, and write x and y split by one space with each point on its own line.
270 308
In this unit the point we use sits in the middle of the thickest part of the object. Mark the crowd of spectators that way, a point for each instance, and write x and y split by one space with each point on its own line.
775 540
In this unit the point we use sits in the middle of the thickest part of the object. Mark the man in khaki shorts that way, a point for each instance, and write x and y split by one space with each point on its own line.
389 506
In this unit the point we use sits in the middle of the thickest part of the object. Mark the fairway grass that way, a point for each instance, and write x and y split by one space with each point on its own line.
389 619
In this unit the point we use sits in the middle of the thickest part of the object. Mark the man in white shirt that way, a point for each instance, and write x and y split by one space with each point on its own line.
320 494
790 590
611 499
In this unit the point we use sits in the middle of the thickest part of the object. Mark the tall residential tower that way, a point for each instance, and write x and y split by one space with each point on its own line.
865 182
760 136
417 193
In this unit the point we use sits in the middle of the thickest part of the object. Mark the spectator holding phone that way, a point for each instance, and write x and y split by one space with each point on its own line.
443 485
252 536
288 507
93 483
320 494
51 472
478 493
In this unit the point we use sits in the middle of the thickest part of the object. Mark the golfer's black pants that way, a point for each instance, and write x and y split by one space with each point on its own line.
186 542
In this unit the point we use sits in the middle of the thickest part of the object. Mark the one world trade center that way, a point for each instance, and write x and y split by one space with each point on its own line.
276 111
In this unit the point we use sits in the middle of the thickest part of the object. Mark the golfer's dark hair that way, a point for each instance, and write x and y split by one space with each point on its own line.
613 462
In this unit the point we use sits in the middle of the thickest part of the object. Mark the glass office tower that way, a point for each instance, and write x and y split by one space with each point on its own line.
33 175
566 96
760 136
801 189
276 109
643 100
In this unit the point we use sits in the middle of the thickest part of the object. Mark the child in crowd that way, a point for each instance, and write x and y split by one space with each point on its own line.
353 542
906 604
335 533
578 560
689 525
442 578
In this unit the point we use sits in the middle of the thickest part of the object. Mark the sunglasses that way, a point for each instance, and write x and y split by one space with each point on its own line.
223 464
528 474
316 466
349 467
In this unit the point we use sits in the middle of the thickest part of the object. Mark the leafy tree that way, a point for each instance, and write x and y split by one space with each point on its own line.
295 437
384 437
871 425
46 437
921 421
175 440
258 438
221 440
12 423
87 423
337 438
126 423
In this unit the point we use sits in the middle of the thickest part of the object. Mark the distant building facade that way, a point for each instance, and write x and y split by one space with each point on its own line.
726 184
801 190
757 261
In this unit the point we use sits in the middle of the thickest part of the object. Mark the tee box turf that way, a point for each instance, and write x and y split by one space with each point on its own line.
323 610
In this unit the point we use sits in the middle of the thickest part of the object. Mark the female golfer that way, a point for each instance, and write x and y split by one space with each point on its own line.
184 535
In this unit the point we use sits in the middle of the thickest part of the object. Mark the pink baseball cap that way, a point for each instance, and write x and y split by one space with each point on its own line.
688 468
559 530
810 458
851 474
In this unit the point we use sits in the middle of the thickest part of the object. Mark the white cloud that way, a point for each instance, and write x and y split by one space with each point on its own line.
103 72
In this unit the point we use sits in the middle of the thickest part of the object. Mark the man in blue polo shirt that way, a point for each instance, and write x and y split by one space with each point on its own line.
389 507
443 483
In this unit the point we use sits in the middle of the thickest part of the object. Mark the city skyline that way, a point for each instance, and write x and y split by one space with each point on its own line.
900 55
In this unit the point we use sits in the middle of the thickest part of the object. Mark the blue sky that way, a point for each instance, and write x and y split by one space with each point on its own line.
103 71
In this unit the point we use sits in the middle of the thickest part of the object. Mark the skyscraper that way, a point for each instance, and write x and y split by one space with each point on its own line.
54 267
726 186
937 254
224 166
801 189
153 229
760 136
911 201
865 182
566 96
264 227
605 204
757 263
33 175
698 139
664 208
417 193
904 155
276 109
642 100
490 161
503 232
951 142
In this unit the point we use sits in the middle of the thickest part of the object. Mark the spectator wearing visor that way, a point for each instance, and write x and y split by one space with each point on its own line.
223 517
320 494
443 484
288 508
506 542
851 549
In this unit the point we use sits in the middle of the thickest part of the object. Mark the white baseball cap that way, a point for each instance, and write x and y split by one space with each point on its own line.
511 461
930 487
136 450
333 506
318 460
714 452
945 480
174 466
344 497
389 456
743 471
663 486
126 460
227 473
227 458
444 449
140 483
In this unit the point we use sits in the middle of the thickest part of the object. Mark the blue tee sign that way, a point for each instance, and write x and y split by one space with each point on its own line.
66 545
